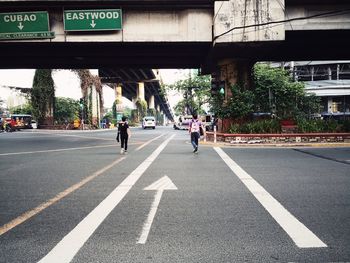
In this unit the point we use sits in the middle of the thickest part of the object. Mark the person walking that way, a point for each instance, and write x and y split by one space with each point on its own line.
195 131
124 133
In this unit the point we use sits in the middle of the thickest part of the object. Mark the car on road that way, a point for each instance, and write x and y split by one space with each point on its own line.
149 122
33 124
183 122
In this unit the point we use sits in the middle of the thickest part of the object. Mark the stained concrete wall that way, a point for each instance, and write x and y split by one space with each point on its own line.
146 26
241 15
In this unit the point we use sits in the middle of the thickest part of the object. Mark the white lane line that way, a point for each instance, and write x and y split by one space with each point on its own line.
143 145
298 232
67 248
59 150
22 218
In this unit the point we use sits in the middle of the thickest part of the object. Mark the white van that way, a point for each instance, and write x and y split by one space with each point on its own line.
149 122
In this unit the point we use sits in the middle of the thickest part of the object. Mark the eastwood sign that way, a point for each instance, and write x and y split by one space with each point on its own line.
92 20
25 25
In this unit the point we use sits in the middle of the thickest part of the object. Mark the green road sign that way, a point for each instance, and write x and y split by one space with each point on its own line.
25 25
92 20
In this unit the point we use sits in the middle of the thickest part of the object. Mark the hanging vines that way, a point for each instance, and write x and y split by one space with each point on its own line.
87 80
141 106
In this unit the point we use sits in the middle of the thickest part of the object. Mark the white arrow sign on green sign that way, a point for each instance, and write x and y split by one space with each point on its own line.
25 25
92 20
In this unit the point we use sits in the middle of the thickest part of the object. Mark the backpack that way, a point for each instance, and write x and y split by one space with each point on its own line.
195 126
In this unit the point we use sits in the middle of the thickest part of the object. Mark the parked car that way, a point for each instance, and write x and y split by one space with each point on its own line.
33 124
149 122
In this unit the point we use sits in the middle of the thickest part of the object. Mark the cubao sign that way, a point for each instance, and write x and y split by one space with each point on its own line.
25 25
90 20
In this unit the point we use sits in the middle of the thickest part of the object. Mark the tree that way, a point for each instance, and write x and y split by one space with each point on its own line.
66 109
196 92
1 107
23 109
276 92
43 95
239 106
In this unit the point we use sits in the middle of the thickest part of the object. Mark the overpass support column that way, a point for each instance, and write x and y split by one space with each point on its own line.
119 102
233 72
94 101
141 103
151 102
141 91
236 72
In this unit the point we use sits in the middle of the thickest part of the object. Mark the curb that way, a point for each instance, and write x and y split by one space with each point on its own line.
276 145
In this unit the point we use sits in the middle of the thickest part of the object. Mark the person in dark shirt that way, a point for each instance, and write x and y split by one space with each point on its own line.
124 132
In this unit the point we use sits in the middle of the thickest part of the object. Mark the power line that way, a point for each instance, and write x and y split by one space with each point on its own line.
326 14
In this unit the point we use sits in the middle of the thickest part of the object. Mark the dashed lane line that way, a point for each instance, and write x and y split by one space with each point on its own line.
297 231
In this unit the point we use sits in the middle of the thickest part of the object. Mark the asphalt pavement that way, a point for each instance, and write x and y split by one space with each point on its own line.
70 196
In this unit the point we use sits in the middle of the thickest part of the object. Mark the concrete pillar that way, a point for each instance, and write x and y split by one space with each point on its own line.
329 104
119 102
151 102
234 72
141 91
329 73
95 97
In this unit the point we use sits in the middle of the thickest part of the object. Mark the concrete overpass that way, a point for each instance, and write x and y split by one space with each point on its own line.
131 81
184 34
224 38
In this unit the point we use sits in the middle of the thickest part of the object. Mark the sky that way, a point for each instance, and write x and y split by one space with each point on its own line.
68 85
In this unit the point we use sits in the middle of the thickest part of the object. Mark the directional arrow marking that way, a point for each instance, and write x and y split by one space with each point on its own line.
20 26
69 246
93 24
160 186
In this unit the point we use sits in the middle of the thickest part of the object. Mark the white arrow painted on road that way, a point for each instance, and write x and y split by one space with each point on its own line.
93 24
160 186
20 26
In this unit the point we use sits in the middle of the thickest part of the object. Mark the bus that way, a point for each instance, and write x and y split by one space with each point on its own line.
21 121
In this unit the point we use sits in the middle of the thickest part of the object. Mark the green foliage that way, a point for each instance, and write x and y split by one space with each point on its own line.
304 126
196 91
23 109
319 125
1 106
240 105
263 126
114 109
66 109
43 94
276 92
141 106
151 112
127 112
134 115
108 115
345 125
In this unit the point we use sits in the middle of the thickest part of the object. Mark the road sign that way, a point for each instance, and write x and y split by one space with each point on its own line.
92 20
25 25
